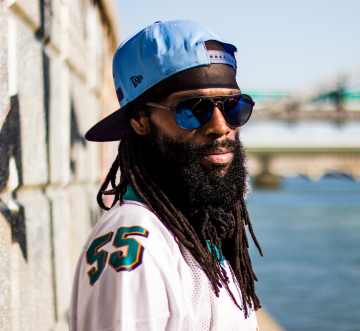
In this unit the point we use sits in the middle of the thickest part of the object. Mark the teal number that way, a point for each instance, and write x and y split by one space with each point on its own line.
93 254
132 258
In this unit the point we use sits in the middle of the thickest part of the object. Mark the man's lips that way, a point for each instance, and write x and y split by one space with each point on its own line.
219 158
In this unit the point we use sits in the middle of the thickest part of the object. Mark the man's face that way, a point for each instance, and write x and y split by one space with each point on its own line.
215 130
202 171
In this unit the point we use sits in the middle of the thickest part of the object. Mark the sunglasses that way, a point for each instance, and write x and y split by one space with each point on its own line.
192 113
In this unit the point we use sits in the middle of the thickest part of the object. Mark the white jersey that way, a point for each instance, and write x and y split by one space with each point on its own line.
133 275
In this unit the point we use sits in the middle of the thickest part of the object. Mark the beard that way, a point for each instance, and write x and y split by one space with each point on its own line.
206 199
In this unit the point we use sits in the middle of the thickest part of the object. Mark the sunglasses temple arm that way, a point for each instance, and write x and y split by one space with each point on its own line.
157 105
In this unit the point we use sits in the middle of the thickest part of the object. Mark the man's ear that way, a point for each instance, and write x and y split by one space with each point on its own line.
140 123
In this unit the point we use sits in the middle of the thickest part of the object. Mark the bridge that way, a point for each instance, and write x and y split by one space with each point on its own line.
312 132
336 100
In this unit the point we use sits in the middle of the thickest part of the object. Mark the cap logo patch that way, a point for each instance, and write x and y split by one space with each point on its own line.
136 80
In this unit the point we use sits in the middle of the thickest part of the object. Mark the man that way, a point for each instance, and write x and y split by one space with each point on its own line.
171 253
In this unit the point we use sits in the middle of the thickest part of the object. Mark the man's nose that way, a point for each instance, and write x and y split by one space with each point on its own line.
217 124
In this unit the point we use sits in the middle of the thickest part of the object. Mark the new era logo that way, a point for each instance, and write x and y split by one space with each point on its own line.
136 80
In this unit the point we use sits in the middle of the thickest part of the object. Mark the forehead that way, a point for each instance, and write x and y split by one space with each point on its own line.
205 92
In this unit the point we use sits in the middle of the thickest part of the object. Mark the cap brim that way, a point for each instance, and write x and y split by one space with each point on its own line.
111 128
217 75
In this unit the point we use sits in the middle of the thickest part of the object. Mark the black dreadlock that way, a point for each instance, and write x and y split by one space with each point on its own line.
134 171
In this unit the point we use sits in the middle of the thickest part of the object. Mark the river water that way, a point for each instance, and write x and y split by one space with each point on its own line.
309 277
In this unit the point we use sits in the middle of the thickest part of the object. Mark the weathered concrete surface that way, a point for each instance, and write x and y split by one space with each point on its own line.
5 271
95 51
18 317
51 90
79 200
84 105
59 119
31 107
4 95
55 26
61 228
36 292
28 11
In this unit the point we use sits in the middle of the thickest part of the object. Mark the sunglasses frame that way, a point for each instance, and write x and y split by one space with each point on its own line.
216 104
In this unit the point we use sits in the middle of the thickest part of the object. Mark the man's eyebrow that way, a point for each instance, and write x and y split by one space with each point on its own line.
192 94
200 93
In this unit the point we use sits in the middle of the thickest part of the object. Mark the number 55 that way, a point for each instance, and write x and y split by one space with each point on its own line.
134 251
128 261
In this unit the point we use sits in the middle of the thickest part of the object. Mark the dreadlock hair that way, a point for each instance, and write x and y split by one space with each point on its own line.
133 172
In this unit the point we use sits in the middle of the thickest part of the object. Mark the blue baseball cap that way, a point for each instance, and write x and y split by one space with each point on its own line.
144 60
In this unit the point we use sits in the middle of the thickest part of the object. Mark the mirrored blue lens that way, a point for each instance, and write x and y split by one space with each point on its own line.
237 110
192 113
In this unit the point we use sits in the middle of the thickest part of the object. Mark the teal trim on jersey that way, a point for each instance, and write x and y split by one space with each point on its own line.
131 195
217 253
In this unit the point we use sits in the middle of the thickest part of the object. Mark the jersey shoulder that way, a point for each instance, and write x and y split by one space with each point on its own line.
128 273
135 217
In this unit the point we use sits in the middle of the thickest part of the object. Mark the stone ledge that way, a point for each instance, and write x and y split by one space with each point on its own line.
266 322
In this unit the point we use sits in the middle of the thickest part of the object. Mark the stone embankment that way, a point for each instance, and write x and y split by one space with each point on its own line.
266 322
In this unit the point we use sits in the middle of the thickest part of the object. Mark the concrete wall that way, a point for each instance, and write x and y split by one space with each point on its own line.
56 82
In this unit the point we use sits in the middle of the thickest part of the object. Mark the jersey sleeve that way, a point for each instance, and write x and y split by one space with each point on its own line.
251 321
127 276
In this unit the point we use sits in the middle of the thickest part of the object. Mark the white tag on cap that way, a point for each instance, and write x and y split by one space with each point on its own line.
222 57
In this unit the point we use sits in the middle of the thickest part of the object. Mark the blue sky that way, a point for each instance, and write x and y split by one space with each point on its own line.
283 45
